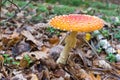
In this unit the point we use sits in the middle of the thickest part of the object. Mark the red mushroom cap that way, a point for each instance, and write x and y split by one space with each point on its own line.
77 22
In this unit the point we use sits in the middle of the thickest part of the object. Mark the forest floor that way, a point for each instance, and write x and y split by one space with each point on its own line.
29 46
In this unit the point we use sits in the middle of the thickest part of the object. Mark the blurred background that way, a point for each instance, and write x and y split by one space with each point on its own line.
43 10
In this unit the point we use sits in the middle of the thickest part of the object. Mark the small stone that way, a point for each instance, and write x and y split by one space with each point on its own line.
103 64
117 57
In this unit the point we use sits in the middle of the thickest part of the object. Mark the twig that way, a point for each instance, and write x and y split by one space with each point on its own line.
18 11
107 71
92 49
116 75
14 5
25 5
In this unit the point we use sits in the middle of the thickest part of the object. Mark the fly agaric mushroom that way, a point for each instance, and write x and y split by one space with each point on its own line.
74 23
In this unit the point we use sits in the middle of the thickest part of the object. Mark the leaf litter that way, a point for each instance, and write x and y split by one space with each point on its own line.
29 50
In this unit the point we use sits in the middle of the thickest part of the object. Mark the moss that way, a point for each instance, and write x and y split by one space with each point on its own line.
37 18
42 8
59 10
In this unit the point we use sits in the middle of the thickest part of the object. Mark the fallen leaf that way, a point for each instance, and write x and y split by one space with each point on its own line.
118 51
45 49
18 77
1 61
14 35
1 75
10 40
20 14
92 77
55 51
1 46
23 63
59 73
20 48
35 54
30 37
3 12
41 25
33 77
84 74
54 40
60 78
39 55
103 64
49 62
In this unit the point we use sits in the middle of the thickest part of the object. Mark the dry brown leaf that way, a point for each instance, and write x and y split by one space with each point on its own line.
45 49
3 12
10 40
34 77
20 14
39 55
1 46
84 74
13 41
104 64
28 17
55 51
14 35
92 77
30 37
23 63
60 78
118 51
1 61
59 73
11 8
54 40
1 75
36 54
20 48
41 25
18 77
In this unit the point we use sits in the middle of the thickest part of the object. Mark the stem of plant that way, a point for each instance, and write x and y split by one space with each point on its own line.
0 17
70 43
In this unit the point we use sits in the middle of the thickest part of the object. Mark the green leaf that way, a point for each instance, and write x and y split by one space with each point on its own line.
111 57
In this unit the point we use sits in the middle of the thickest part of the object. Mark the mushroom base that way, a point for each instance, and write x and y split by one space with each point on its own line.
70 43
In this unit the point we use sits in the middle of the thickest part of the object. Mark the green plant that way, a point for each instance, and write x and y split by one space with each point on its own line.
20 3
59 10
52 31
99 50
117 34
111 57
70 2
37 18
8 14
6 58
105 32
9 60
108 12
27 58
42 8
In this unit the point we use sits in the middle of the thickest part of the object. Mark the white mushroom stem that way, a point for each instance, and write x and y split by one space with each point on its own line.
70 43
